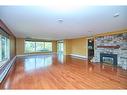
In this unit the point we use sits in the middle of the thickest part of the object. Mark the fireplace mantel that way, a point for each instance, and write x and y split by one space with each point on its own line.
114 47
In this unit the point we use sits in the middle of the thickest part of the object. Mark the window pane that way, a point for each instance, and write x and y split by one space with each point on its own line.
29 46
8 48
60 47
39 46
48 46
4 47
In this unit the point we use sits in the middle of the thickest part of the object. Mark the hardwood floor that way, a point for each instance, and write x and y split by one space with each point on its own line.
63 72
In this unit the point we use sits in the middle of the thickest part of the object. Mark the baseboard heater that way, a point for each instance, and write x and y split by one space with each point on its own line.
7 68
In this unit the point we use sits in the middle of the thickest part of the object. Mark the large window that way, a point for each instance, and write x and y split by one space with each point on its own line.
4 47
40 46
33 46
29 46
48 46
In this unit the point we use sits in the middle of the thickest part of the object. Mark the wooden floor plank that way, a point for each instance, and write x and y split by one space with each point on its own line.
63 72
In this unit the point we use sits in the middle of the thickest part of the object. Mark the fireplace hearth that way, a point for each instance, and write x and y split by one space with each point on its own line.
108 58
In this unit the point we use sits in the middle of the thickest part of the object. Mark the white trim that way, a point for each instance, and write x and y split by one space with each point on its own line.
20 55
87 47
33 54
78 56
4 73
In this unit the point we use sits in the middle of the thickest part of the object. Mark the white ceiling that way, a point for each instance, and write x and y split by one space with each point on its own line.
42 23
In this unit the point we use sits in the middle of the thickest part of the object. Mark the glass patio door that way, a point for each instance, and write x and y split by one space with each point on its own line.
60 47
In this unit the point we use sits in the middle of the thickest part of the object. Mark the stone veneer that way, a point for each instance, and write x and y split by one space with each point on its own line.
102 43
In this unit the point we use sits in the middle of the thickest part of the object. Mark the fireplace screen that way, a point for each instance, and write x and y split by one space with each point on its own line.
108 60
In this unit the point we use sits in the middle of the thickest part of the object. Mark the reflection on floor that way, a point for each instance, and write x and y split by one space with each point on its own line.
53 71
37 62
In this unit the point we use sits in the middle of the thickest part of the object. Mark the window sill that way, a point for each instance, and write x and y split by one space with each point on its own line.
3 62
38 52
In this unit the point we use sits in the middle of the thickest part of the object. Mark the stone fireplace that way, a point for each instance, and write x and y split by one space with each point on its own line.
111 49
108 58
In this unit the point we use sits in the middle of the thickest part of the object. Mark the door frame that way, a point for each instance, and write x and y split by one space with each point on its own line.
87 45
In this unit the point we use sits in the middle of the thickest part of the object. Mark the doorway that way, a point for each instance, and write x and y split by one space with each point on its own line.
90 49
60 46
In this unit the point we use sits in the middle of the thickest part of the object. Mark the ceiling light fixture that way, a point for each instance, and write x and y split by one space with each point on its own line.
60 20
116 15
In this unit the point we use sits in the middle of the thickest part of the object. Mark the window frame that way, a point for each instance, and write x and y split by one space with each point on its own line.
35 50
7 47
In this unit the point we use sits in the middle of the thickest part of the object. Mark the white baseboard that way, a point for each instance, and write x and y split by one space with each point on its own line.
20 55
34 54
4 73
78 56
